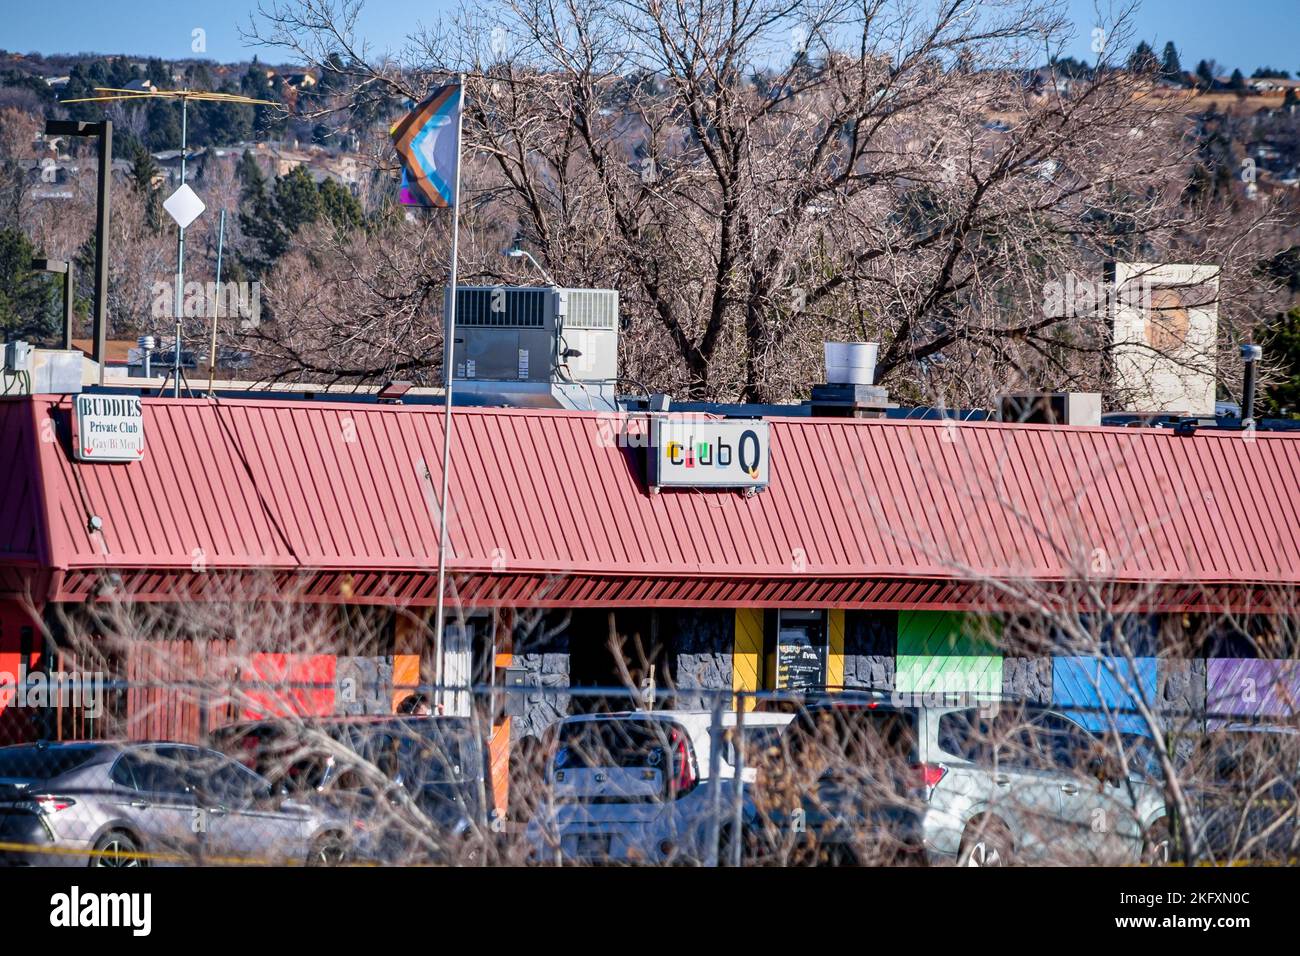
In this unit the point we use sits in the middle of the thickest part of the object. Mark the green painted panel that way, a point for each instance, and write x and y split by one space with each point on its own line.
942 651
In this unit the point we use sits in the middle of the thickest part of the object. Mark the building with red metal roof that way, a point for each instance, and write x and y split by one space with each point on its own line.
337 504
550 508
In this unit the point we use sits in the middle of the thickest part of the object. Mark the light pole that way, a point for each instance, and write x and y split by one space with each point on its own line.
65 269
104 130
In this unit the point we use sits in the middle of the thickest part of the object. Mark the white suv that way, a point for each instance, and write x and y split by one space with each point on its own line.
634 787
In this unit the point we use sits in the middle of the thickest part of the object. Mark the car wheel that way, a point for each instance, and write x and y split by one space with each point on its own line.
985 843
116 849
468 850
1157 845
328 850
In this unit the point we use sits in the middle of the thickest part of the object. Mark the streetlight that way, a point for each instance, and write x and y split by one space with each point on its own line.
65 269
103 130
517 251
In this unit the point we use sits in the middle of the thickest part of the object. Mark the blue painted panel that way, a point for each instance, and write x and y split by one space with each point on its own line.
1091 690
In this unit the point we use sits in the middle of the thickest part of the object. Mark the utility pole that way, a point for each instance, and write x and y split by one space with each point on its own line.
103 130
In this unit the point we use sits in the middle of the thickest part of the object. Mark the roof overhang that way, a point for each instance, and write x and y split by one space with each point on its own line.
515 589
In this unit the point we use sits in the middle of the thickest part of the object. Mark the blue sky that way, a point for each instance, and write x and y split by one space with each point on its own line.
1236 34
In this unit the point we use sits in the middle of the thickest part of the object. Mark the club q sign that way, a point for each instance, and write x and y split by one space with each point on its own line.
107 428
708 453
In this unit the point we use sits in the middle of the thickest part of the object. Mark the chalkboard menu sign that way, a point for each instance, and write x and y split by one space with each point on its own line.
800 663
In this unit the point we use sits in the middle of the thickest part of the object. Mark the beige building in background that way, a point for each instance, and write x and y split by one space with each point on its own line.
1165 326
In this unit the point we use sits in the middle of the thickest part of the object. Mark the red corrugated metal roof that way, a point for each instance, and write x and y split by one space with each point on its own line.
21 538
336 487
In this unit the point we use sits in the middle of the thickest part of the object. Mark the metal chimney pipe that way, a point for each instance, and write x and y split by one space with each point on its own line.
146 343
1250 356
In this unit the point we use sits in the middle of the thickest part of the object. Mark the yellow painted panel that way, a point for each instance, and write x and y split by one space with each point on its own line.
747 653
835 652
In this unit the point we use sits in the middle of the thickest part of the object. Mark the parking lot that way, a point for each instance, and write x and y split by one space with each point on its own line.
837 778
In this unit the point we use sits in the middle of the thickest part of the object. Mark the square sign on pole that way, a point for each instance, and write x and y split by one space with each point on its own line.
184 206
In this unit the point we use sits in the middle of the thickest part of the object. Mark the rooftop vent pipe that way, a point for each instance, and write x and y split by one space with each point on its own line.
848 391
851 363
1250 356
146 344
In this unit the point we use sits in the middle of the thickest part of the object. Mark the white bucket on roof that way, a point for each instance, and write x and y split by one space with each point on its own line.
851 363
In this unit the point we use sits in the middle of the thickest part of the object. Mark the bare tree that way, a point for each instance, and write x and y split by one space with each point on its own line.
756 178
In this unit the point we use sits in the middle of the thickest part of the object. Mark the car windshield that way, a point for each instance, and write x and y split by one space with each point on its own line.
628 742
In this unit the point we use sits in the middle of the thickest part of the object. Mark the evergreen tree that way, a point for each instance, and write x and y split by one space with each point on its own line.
1281 342
199 77
1143 59
158 74
80 85
30 302
252 182
143 172
1238 82
339 207
297 200
98 73
267 238
1170 65
164 130
331 79
256 84
121 73
1205 74
271 218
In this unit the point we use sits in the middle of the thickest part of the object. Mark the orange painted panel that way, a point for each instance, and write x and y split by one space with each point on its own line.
406 676
499 755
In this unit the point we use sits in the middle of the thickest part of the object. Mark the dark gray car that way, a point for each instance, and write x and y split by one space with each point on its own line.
128 804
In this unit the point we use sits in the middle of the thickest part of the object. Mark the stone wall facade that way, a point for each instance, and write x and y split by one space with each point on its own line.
1029 678
700 641
543 653
870 642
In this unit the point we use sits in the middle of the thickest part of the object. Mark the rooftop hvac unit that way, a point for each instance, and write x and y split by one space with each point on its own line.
543 335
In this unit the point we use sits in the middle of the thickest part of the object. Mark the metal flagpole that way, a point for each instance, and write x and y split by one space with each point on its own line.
448 348
212 347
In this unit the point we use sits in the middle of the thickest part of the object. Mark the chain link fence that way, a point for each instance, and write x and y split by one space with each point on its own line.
281 771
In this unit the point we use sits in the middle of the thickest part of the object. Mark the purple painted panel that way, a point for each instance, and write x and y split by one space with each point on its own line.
1251 687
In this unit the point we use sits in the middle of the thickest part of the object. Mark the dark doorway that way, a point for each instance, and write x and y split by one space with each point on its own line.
618 649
